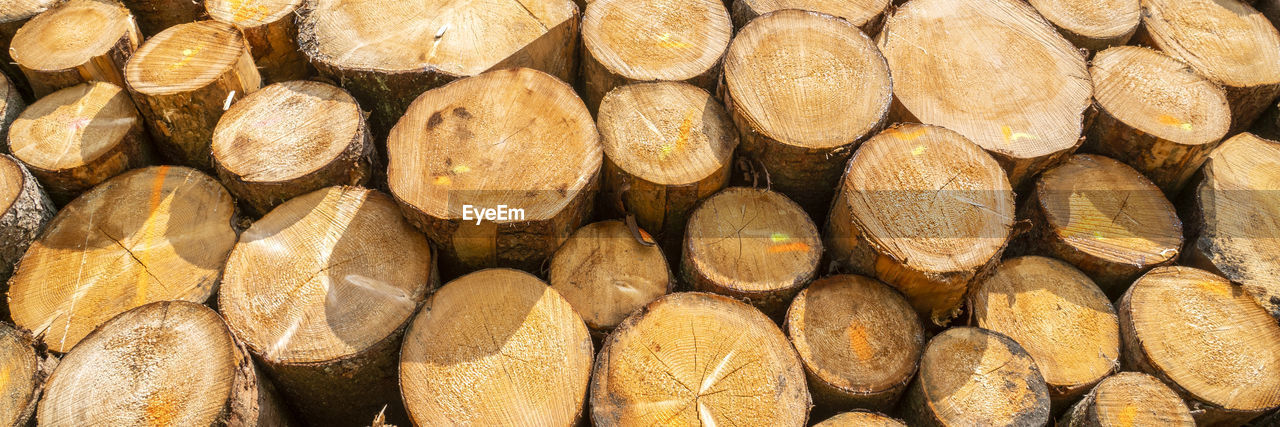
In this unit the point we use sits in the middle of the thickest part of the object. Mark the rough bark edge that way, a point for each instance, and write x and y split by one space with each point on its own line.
13 107
1114 138
108 66
131 152
45 364
678 200
20 225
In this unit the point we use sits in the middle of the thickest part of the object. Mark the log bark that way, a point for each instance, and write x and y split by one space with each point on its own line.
387 52
860 342
1227 41
605 274
1129 399
801 111
1063 320
76 42
271 32
496 347
667 146
155 16
27 367
165 363
27 209
1229 211
11 105
1155 114
153 234
860 419
1207 340
973 376
960 207
698 358
538 151
289 139
13 16
78 137
627 41
751 244
1091 25
326 320
182 81
994 71
1103 217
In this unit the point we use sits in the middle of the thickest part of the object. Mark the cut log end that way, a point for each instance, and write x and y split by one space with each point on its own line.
992 70
860 341
972 376
696 357
24 375
187 57
1129 399
961 209
251 13
80 136
78 41
166 363
160 233
864 14
291 138
1199 332
496 347
860 419
1059 316
605 274
1092 24
271 32
751 244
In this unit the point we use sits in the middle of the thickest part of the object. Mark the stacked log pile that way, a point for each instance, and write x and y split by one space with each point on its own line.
748 212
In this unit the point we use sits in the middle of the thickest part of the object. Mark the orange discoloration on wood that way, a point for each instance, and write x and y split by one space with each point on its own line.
1220 288
667 41
187 54
1127 415
1169 120
160 409
244 10
157 195
858 340
789 247
1011 136
906 135
682 140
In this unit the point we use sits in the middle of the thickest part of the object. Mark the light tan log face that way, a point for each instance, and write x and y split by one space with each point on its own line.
75 42
24 372
605 274
860 419
1092 24
160 233
271 32
992 70
1129 399
698 358
972 376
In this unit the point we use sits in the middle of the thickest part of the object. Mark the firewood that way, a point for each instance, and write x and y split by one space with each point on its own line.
667 146
25 370
628 41
860 341
78 137
291 138
1155 114
155 16
1230 214
11 105
804 89
164 363
271 32
1091 25
27 209
1129 399
13 16
992 70
751 244
925 210
1226 41
860 419
1063 320
698 358
1103 217
867 15
1206 338
606 274
496 347
159 233
972 376
78 41
517 144
347 273
387 52
183 79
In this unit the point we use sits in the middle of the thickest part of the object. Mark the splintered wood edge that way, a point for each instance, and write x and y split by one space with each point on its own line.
779 239
69 35
1241 50
667 133
656 40
857 12
1098 20
73 127
829 93
185 57
605 274
251 13
1159 95
290 313
950 353
1138 399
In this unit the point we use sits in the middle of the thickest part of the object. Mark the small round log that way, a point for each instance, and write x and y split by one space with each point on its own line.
605 274
867 15
860 419
1129 399
25 370
26 211
1090 24
976 377
78 41
271 32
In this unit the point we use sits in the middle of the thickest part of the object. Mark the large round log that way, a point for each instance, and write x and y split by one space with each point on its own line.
497 169
387 52
153 234
26 211
271 32
1129 399
804 89
80 136
289 139
698 358
1155 114
78 41
496 347
25 370
976 377
992 70
606 274
1090 24
925 210
865 14
860 342
165 363
183 79
346 273
1209 341
155 16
